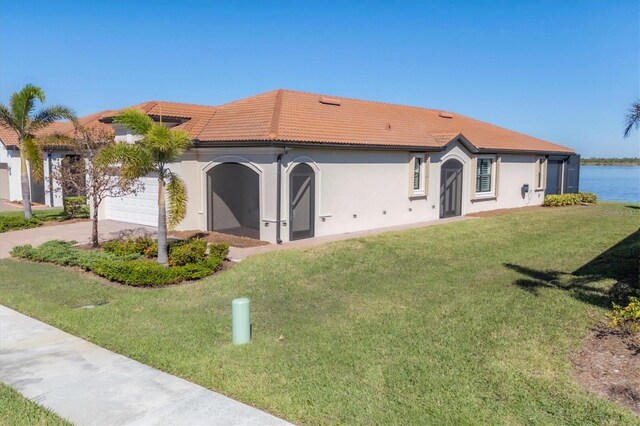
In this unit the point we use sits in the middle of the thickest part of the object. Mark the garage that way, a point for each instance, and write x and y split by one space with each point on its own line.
140 208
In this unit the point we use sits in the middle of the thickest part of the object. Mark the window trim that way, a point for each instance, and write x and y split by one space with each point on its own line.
492 182
540 173
421 191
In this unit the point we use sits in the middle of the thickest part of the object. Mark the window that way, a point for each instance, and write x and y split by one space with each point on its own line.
417 173
483 175
540 163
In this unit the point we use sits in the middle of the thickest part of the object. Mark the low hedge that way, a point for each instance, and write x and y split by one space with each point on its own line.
14 223
128 269
181 252
75 207
558 200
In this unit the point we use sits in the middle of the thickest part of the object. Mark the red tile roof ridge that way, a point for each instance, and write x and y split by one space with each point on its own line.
275 118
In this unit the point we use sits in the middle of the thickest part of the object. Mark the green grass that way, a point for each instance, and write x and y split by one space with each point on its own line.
469 323
13 221
16 410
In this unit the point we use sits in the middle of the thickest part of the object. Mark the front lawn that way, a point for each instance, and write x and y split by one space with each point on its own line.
16 410
13 221
470 322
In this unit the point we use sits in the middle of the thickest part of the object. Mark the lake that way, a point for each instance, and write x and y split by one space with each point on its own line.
612 183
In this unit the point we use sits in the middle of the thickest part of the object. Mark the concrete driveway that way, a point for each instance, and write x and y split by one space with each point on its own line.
79 231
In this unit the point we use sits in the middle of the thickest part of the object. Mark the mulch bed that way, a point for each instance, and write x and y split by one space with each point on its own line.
609 365
217 237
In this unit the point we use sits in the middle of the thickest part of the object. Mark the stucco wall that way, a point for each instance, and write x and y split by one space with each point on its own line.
355 189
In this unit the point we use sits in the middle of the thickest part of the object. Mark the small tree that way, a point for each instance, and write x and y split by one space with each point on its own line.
90 175
19 116
158 147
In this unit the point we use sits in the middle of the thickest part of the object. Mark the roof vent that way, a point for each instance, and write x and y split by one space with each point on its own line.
443 114
330 101
388 126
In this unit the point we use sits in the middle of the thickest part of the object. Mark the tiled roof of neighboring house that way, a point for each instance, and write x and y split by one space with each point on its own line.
191 118
66 128
290 116
8 137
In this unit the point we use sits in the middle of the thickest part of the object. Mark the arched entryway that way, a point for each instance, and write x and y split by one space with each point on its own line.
451 188
301 202
233 199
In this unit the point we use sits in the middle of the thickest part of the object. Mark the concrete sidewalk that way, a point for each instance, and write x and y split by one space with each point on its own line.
237 254
87 384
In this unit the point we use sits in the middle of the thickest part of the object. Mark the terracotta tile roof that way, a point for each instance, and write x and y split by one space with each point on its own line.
290 116
192 118
10 138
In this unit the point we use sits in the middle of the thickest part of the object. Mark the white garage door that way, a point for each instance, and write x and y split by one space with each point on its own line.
141 208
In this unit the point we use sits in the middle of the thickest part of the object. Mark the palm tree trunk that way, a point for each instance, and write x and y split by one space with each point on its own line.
26 190
163 257
94 226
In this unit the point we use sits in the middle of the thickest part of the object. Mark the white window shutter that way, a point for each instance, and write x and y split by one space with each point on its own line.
497 177
410 174
472 176
427 163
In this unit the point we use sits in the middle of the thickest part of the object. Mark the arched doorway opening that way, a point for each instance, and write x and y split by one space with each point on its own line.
451 188
301 202
233 200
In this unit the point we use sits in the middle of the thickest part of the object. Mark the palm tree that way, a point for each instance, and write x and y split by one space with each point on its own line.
633 118
19 116
158 147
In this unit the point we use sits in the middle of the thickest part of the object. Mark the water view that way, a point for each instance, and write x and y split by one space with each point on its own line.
611 183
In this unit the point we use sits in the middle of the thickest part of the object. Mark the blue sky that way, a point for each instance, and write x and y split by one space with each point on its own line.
565 71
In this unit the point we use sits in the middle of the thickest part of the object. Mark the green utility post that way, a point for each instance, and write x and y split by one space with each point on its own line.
241 321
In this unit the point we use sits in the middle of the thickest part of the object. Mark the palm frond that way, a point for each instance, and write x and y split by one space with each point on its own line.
51 114
633 118
134 120
177 197
134 161
32 152
167 145
6 118
22 104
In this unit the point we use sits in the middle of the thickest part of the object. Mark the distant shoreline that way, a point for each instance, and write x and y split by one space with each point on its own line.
629 161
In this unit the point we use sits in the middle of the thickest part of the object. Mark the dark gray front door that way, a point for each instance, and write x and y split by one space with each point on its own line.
451 189
554 177
301 202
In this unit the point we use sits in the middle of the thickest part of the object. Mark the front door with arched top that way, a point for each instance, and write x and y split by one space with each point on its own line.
450 188
301 202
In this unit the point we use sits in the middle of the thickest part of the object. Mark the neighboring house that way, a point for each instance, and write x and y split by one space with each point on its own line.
287 165
47 191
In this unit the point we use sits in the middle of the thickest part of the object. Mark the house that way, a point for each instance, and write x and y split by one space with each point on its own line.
45 191
286 165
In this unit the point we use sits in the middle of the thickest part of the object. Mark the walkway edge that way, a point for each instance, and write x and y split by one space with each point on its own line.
88 384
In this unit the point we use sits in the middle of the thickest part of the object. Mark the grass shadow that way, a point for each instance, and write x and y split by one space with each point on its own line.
620 262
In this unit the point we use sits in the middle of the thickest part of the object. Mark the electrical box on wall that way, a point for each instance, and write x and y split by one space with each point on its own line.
525 188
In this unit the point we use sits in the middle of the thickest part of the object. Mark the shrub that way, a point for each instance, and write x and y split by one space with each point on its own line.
558 200
588 197
129 268
626 318
219 250
188 251
138 245
621 293
13 223
64 253
75 207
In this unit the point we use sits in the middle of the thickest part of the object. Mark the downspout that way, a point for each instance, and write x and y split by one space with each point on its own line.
50 178
279 195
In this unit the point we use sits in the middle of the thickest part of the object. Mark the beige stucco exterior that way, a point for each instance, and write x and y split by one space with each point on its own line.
357 189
